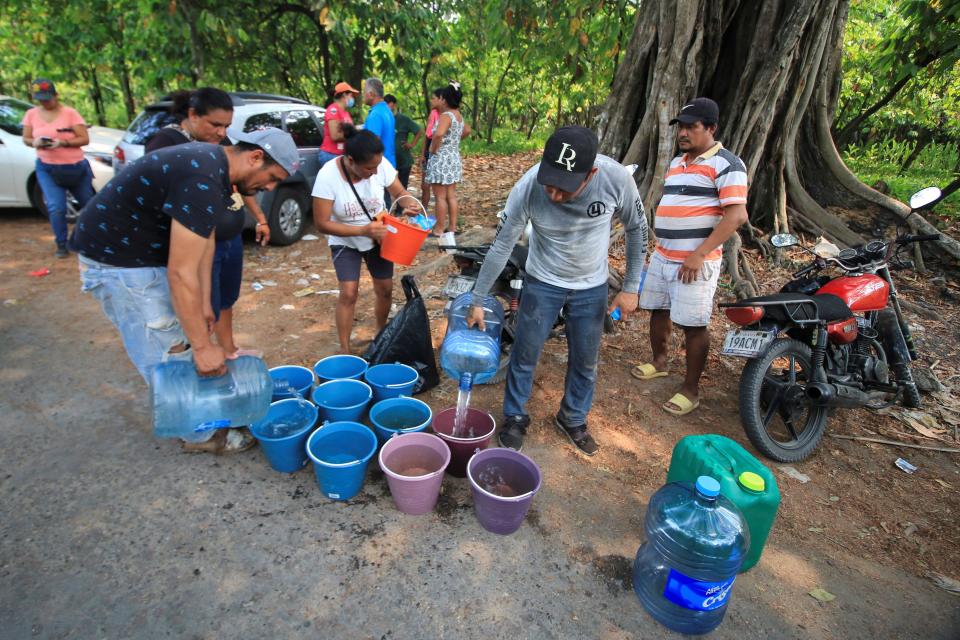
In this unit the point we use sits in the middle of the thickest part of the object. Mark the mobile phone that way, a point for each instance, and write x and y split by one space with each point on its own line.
45 141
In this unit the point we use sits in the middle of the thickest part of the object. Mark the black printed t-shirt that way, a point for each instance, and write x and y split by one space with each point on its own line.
127 224
228 226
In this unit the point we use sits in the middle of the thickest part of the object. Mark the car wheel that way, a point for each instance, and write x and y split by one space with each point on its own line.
288 216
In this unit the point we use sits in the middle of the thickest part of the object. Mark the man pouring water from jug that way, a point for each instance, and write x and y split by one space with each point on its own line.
571 198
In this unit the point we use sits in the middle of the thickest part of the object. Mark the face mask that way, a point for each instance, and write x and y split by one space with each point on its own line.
350 102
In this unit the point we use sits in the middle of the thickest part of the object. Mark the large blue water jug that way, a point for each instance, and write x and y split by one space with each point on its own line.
188 406
470 350
696 542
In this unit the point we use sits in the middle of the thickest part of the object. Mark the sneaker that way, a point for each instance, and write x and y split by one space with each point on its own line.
62 250
579 436
514 428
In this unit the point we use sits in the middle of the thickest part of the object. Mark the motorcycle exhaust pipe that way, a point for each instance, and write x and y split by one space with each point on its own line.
836 395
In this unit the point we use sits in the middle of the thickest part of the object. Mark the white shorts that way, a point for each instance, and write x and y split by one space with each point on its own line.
690 304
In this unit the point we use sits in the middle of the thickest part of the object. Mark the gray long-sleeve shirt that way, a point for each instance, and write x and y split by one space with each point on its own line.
570 241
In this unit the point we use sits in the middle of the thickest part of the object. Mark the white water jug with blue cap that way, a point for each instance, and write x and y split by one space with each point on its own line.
696 541
190 407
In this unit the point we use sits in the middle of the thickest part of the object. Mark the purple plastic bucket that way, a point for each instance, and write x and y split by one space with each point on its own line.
504 482
479 422
414 465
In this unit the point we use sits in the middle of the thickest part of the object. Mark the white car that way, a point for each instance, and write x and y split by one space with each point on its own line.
18 184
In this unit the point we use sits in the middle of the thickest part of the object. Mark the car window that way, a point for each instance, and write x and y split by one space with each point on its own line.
303 128
146 126
11 115
260 120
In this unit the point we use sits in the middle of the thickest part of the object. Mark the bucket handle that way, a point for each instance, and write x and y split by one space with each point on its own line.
397 201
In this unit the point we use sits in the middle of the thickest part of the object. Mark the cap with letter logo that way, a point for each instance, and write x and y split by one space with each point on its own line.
567 158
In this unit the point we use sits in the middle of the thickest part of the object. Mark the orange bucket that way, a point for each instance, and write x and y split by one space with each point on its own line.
402 241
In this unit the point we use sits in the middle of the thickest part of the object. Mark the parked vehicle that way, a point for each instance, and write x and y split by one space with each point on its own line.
288 207
18 183
824 342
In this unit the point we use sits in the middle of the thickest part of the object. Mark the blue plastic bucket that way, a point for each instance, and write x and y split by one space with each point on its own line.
283 433
288 378
391 380
339 367
342 400
399 415
340 452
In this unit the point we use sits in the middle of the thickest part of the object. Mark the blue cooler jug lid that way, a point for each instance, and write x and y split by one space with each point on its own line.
708 486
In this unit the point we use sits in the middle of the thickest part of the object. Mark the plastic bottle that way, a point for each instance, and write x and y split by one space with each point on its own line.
189 407
470 350
696 541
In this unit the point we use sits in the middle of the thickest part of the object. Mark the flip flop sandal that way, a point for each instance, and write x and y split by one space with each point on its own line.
646 371
223 442
681 401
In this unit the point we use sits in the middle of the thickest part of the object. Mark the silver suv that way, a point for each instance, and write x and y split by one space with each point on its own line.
288 206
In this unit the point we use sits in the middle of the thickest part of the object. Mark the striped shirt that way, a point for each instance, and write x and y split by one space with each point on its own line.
694 196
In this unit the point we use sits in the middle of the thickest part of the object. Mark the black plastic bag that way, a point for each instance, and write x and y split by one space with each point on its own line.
406 339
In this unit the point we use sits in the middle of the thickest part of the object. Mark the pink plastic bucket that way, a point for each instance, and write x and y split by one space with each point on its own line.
414 464
480 423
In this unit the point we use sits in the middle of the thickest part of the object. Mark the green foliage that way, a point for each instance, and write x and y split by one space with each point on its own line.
932 168
506 142
523 64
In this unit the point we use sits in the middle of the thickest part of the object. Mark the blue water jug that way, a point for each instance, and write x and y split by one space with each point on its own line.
696 542
189 407
472 351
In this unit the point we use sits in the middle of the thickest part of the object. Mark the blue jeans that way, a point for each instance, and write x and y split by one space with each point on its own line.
325 156
227 274
55 196
540 304
137 301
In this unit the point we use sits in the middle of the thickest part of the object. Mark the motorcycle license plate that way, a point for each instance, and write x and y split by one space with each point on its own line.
746 343
458 284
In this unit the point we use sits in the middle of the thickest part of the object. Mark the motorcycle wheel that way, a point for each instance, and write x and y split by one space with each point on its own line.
777 416
898 356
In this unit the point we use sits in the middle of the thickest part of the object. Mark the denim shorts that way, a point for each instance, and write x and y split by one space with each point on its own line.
227 274
137 301
346 261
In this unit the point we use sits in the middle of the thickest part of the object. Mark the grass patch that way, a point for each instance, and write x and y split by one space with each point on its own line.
934 168
505 142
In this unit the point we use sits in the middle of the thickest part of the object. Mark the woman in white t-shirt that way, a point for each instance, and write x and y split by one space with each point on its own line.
347 198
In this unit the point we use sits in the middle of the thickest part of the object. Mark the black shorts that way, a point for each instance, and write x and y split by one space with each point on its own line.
346 261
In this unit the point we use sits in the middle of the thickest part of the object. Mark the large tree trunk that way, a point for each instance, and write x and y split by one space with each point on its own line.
773 67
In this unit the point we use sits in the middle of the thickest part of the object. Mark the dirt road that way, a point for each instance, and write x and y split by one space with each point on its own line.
109 533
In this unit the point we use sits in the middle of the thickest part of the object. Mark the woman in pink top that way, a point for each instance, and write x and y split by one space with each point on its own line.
334 118
57 132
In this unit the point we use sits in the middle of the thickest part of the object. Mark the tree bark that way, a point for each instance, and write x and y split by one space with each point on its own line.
323 40
492 120
773 66
96 95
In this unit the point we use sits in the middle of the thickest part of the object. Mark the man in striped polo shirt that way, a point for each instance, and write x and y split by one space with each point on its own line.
703 204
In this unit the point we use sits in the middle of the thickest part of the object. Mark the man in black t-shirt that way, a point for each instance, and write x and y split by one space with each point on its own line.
146 242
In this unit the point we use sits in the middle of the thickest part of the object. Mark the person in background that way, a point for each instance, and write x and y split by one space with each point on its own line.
336 115
146 245
445 169
425 157
380 121
204 116
404 127
572 198
347 200
703 204
57 132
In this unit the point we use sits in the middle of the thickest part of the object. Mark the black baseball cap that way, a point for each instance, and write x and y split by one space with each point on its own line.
567 158
698 110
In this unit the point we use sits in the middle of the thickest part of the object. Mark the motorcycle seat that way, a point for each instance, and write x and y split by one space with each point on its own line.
785 307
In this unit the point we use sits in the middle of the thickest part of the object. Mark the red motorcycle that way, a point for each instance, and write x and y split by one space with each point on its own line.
824 343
